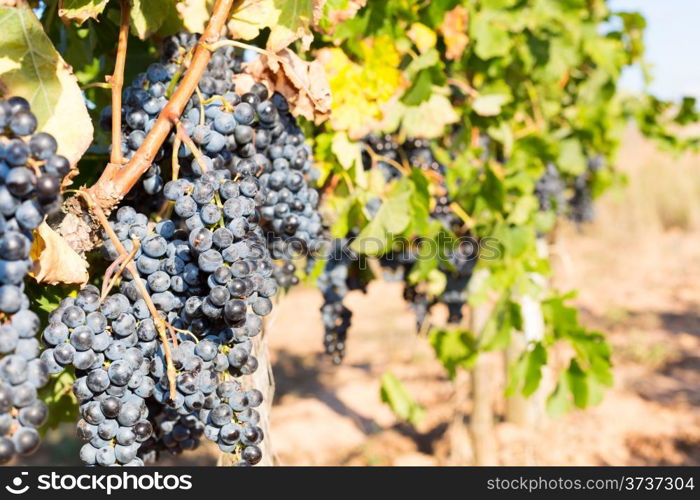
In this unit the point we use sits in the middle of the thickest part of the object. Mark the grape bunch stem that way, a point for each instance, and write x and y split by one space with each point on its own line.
161 325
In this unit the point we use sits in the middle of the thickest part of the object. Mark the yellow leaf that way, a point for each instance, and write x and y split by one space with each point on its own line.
54 259
454 31
424 38
250 17
31 67
81 10
288 20
360 90
195 14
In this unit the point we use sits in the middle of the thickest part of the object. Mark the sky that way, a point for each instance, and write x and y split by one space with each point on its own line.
673 46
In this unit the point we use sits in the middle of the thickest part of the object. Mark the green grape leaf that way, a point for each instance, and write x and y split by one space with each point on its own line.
58 396
294 22
148 16
535 360
492 189
346 151
288 21
455 348
504 318
423 61
420 90
428 119
489 104
336 12
558 403
436 281
81 10
32 68
525 374
490 34
420 203
578 385
392 219
394 393
250 17
571 157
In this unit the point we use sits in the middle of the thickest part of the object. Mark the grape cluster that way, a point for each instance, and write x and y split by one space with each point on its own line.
30 173
457 267
110 348
148 94
340 275
581 208
209 272
549 190
385 153
173 433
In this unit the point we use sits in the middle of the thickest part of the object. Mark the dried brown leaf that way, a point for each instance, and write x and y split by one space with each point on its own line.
303 83
55 261
454 31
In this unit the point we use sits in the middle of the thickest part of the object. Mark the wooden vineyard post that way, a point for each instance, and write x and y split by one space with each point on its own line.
484 389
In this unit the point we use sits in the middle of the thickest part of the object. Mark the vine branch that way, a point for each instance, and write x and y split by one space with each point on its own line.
116 81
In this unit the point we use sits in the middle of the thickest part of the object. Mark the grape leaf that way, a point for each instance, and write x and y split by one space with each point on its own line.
491 35
424 38
252 16
558 402
147 16
336 12
294 22
194 14
81 10
455 348
303 83
489 104
427 120
288 20
58 396
360 90
393 217
454 31
420 90
394 393
32 68
55 261
348 152
571 157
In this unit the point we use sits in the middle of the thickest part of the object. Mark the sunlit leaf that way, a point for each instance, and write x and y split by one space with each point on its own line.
31 67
